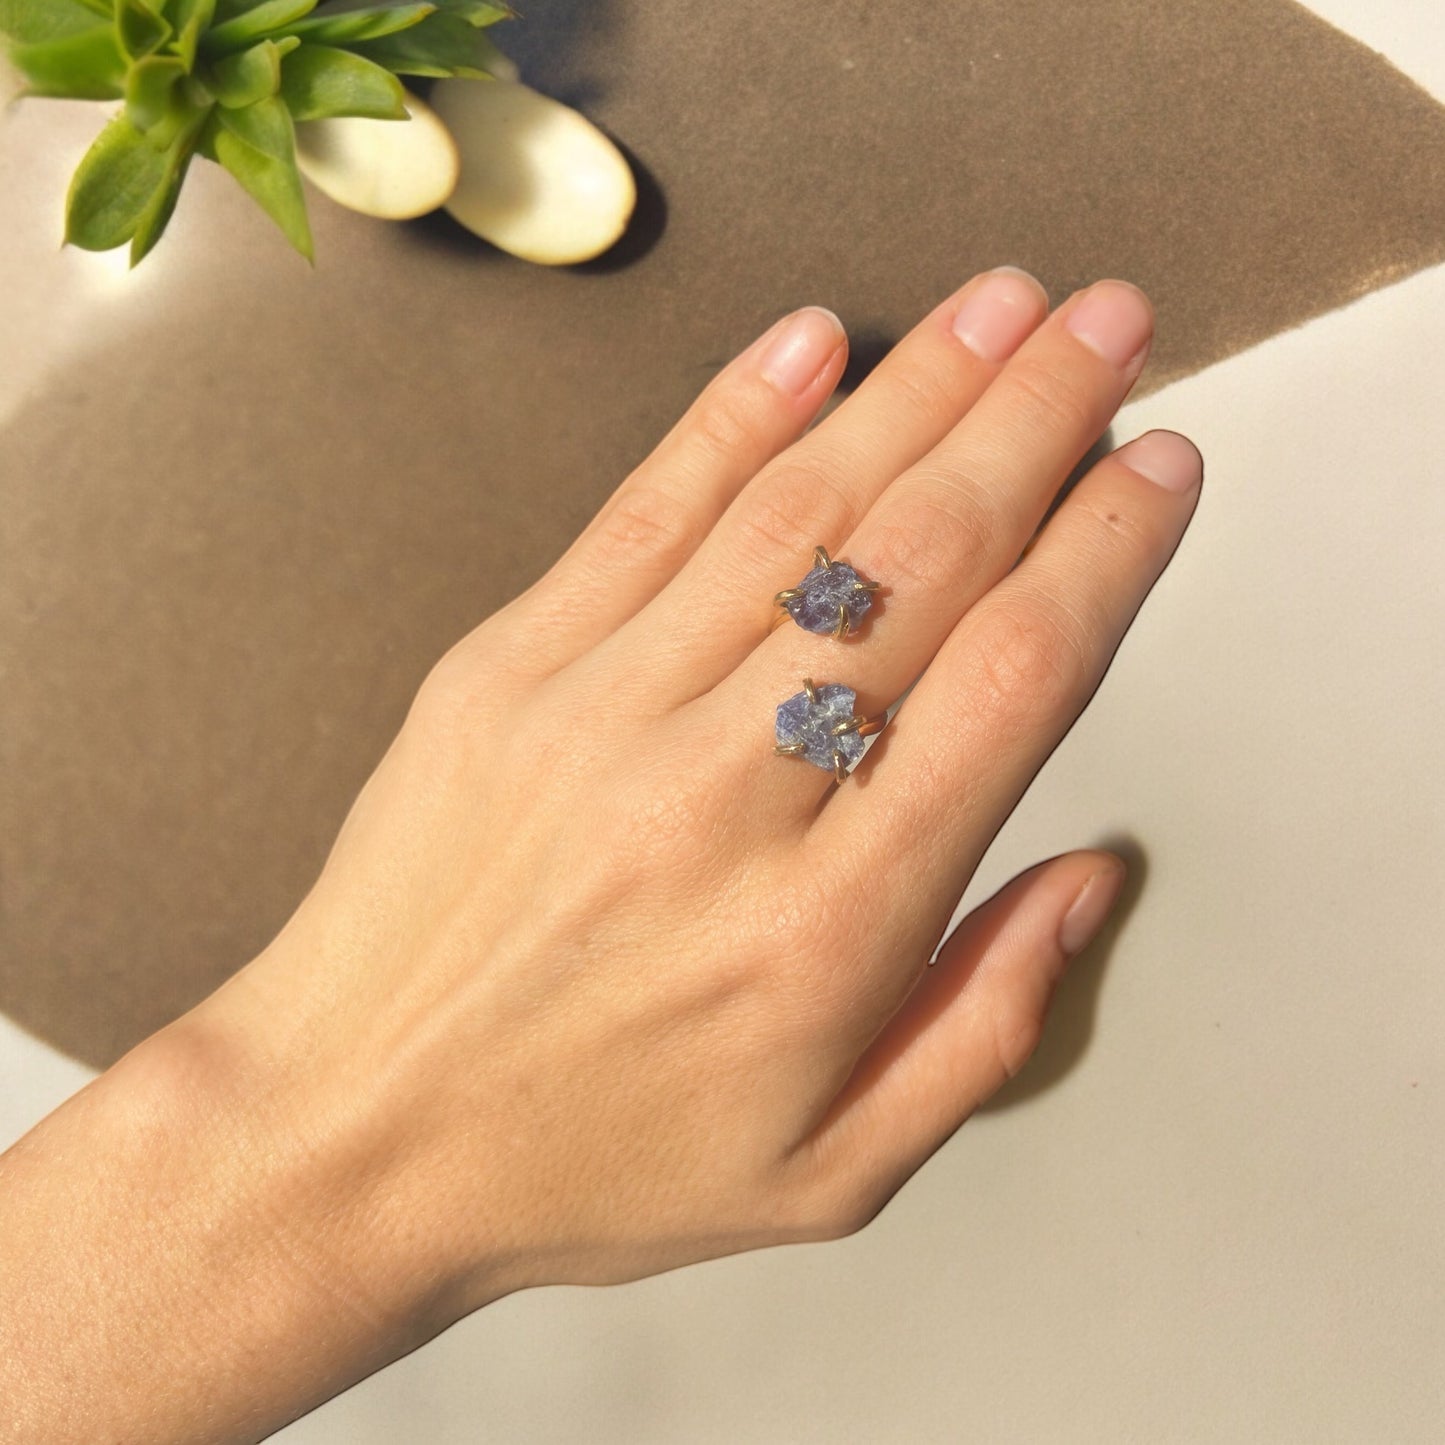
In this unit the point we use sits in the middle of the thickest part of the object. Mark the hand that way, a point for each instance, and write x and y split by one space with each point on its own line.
593 984
615 988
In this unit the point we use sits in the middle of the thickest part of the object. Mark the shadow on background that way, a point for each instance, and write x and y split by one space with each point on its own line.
1070 1024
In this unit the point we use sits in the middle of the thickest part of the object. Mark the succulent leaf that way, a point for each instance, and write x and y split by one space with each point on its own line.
157 214
250 75
149 88
87 65
477 12
26 22
190 18
116 181
258 146
252 25
318 81
441 45
368 24
140 29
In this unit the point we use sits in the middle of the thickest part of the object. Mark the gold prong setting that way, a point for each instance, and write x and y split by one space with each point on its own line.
832 598
821 725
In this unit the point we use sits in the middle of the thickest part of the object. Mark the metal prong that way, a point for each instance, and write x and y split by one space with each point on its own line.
841 630
810 690
861 586
840 766
788 594
820 558
867 726
789 750
850 726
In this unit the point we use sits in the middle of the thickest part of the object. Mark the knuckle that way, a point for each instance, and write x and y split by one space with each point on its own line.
928 393
932 539
796 504
643 521
1016 1034
1027 660
835 1208
469 684
726 423
1050 402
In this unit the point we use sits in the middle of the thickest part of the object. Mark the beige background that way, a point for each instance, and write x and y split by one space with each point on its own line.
1212 1209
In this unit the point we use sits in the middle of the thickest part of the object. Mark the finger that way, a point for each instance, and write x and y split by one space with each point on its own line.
720 604
1020 667
651 525
969 1025
954 524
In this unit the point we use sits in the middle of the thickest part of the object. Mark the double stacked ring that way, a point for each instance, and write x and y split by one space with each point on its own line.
821 724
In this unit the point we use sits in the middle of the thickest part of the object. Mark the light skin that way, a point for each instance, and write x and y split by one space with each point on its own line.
593 984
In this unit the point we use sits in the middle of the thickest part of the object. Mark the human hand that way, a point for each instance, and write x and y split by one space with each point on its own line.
616 989
593 984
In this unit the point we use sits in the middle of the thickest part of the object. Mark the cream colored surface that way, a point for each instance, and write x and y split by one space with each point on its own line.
1214 1207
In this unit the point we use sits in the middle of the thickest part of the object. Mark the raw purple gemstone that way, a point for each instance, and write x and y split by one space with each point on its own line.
812 723
824 590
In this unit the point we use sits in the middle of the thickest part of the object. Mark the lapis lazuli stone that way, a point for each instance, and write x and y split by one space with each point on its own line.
812 724
824 590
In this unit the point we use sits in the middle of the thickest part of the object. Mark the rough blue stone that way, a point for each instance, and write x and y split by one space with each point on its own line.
824 589
811 723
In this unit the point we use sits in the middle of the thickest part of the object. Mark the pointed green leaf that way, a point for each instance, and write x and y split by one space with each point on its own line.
478 12
254 24
442 44
368 24
85 66
318 81
28 21
190 18
149 88
140 30
116 181
157 214
258 146
250 75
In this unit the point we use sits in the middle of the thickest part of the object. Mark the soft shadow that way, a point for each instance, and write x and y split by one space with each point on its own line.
1070 1024
865 350
644 229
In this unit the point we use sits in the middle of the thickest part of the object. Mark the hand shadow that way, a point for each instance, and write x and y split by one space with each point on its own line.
1070 1024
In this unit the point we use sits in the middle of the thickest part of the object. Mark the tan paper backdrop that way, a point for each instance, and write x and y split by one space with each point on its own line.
246 505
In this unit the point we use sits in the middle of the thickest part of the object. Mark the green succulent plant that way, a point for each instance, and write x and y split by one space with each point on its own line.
226 80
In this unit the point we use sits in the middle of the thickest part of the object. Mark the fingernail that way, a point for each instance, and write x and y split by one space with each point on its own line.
1164 458
1090 908
1114 320
999 312
801 349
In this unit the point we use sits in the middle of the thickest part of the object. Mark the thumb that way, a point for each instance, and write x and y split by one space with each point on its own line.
972 1021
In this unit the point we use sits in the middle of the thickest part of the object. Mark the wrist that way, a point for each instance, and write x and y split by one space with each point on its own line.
185 1255
328 1115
